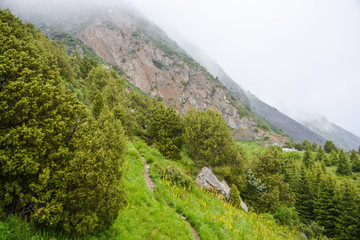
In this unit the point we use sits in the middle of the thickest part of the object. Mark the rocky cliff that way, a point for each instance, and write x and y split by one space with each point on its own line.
157 66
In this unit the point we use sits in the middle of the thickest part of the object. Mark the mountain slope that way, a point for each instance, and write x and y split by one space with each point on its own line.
341 137
157 66
215 69
294 129
289 126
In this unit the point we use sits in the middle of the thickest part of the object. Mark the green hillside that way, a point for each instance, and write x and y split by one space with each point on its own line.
72 144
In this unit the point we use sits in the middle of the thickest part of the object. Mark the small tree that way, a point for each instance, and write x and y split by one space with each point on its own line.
348 220
304 199
329 146
165 129
320 155
314 146
235 196
209 142
334 157
307 159
306 144
268 168
207 137
355 161
325 205
344 167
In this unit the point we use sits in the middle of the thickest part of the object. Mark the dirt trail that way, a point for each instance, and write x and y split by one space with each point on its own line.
151 186
149 182
193 231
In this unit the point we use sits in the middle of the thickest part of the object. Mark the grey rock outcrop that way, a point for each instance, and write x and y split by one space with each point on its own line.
208 180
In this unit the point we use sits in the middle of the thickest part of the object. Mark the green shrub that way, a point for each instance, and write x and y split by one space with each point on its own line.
287 215
149 158
174 174
165 130
312 230
13 228
235 196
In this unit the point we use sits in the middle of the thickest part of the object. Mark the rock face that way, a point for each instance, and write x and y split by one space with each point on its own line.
208 180
157 66
244 206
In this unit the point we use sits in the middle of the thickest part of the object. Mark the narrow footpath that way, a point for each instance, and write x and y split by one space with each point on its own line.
151 186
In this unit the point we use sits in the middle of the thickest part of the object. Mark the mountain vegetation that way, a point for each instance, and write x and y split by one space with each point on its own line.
74 138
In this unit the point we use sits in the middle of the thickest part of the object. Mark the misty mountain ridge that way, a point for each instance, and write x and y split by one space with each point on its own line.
123 37
340 136
315 129
292 128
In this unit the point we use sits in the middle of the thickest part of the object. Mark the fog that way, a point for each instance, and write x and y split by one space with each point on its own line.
302 57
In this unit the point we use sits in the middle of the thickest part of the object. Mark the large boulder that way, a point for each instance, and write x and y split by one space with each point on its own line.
208 180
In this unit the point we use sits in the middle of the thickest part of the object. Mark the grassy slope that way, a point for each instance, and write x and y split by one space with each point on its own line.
145 217
156 215
212 218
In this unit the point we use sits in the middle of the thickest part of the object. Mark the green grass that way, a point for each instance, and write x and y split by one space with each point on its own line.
145 217
157 215
252 148
211 217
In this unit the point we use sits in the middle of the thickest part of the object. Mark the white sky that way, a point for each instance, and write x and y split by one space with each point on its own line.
298 56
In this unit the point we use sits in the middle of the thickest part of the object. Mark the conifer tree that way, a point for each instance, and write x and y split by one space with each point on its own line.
304 201
306 144
289 171
329 146
355 161
320 155
326 160
307 159
314 146
325 206
334 158
209 142
344 167
268 168
348 221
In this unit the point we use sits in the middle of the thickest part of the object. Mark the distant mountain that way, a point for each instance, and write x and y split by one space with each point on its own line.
291 127
340 137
